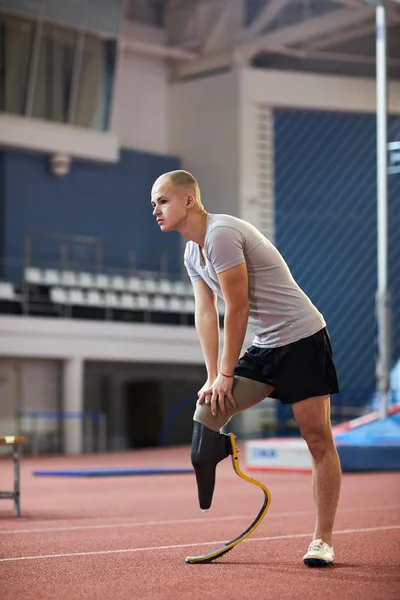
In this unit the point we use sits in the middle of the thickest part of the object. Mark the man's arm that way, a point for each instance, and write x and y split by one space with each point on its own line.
207 326
234 286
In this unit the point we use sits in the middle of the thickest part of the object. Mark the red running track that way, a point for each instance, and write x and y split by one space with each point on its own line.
122 538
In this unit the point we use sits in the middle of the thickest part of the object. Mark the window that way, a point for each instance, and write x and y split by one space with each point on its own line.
56 72
16 39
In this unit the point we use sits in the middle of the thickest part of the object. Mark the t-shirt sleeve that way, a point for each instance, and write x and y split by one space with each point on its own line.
193 275
225 248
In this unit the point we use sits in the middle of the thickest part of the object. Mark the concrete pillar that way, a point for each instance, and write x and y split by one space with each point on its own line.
73 402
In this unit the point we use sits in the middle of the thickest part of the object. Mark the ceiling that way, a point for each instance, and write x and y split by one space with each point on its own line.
323 36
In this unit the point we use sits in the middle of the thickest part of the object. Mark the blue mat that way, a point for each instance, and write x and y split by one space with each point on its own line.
374 446
111 472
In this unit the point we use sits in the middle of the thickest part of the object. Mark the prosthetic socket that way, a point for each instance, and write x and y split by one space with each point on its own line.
208 449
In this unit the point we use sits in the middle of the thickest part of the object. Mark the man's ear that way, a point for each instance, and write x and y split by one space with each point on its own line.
190 201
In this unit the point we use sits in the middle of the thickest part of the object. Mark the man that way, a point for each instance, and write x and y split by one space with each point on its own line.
290 358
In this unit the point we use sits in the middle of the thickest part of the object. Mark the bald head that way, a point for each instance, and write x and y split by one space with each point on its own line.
181 179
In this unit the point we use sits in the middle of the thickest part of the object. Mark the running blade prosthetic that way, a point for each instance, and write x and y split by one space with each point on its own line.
221 550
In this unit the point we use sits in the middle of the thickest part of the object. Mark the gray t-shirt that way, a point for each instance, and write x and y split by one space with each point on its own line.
280 312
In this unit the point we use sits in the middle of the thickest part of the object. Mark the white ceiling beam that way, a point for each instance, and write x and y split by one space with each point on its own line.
304 53
342 36
352 3
306 30
151 49
266 16
204 64
219 28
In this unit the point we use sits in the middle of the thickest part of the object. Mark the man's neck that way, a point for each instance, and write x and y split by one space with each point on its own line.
195 228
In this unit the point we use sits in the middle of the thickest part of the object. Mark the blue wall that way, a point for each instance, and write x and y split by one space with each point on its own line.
111 202
325 170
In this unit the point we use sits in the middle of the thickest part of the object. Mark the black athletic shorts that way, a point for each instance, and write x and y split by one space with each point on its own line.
297 371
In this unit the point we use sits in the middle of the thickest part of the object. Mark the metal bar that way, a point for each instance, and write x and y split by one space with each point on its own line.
117 72
17 511
76 73
30 94
77 66
383 294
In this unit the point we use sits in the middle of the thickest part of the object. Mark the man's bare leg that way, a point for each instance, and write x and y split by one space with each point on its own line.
313 419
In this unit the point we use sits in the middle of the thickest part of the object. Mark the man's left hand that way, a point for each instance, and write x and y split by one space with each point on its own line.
215 394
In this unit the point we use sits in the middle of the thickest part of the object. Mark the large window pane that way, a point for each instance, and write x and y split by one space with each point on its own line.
16 36
54 74
95 83
26 6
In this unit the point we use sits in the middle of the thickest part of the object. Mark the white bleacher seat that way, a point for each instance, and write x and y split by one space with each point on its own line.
135 285
77 297
159 303
189 290
68 278
94 298
101 281
85 280
165 287
150 286
179 288
143 302
127 301
111 300
189 306
51 277
33 275
118 283
6 291
58 295
175 304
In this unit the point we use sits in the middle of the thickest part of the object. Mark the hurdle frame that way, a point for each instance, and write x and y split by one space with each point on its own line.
15 495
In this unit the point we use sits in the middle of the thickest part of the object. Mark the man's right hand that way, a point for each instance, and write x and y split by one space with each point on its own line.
206 398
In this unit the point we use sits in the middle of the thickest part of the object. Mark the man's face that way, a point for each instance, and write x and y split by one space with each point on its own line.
168 204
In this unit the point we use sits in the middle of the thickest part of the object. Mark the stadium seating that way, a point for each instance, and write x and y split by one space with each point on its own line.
83 294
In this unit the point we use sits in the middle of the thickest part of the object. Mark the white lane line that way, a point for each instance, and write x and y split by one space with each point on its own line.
176 546
183 521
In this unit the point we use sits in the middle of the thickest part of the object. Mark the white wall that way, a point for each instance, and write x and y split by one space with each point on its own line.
140 104
140 117
311 91
204 130
28 385
63 339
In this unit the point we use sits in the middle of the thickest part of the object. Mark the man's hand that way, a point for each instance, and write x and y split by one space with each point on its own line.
214 393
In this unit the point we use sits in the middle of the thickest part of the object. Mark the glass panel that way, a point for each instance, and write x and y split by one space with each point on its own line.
70 12
26 6
95 83
54 75
105 16
16 37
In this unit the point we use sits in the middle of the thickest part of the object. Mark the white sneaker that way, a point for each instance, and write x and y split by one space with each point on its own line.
319 554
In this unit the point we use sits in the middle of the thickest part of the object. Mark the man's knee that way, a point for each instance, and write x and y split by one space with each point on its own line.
319 441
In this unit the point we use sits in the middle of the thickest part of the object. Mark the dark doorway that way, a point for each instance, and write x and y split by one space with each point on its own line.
144 414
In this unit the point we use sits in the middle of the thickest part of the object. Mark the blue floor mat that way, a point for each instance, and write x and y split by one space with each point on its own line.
373 446
111 472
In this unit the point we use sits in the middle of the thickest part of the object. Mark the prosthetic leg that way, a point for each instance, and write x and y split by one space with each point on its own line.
208 449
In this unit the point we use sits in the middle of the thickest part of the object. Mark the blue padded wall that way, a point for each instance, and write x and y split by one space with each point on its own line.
108 201
326 228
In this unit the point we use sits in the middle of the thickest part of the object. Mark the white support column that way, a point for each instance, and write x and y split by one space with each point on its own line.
73 402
